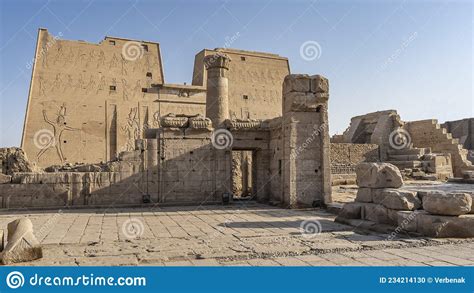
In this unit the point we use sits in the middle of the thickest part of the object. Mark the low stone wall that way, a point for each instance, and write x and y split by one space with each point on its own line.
351 154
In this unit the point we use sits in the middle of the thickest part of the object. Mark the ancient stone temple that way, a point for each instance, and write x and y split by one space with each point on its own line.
95 100
103 128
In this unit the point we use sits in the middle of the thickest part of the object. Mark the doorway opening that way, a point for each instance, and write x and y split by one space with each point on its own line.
243 174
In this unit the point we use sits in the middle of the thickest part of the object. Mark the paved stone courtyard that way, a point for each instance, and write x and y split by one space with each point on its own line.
242 234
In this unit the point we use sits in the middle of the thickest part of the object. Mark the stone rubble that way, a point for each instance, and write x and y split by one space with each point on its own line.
427 212
22 245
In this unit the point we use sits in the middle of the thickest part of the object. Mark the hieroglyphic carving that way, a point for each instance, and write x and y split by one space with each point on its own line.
131 129
156 119
123 65
80 58
69 57
102 84
42 86
91 85
69 83
114 61
90 58
101 59
146 123
137 90
59 54
57 83
59 126
80 83
125 89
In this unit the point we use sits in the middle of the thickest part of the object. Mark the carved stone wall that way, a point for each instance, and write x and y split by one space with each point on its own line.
255 82
88 102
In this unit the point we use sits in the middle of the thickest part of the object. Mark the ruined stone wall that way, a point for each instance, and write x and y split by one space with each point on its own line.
373 128
306 179
430 134
13 160
345 156
463 130
255 81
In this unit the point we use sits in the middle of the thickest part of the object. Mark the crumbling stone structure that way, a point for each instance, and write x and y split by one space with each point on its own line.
381 204
420 149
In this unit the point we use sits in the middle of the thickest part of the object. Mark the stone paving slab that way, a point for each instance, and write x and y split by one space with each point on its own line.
247 234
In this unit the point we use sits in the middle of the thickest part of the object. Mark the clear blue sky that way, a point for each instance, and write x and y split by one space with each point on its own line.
412 56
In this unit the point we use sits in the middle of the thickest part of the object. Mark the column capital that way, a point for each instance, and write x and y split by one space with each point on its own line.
217 60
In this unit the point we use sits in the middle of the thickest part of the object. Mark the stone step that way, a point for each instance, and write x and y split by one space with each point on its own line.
406 164
334 208
410 151
404 157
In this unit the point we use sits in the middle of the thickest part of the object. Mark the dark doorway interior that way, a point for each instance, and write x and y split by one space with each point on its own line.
242 174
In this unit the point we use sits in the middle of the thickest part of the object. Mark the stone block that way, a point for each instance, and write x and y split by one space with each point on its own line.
445 226
297 83
364 194
407 220
5 178
376 213
22 244
351 210
449 204
378 175
397 199
392 217
319 84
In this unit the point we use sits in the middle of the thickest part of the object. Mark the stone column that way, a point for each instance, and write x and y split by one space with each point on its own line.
152 169
217 98
306 177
